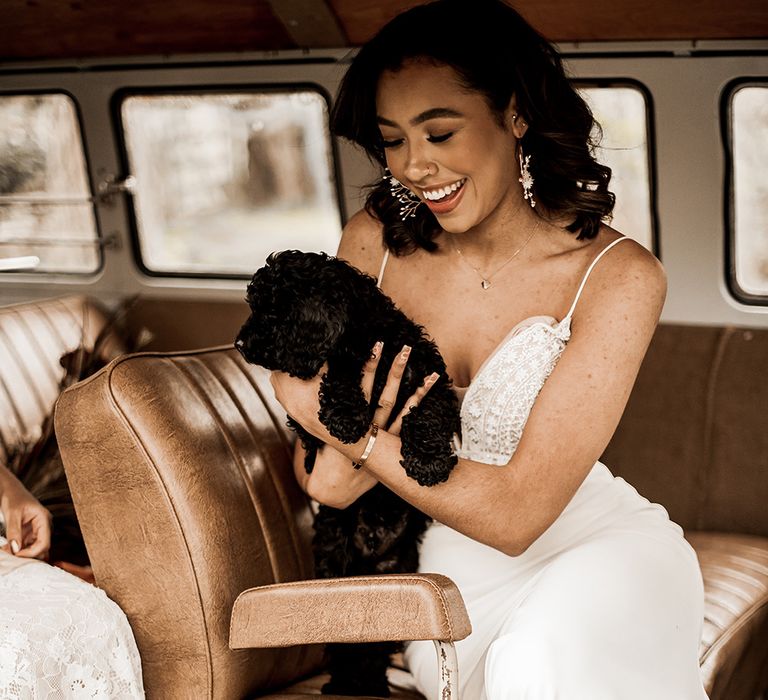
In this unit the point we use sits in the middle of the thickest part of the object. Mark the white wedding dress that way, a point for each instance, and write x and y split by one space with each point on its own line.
607 604
61 637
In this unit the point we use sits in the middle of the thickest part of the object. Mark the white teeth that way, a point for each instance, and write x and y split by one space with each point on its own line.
435 195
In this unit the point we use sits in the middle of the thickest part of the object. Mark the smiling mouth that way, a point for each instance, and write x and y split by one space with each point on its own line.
441 193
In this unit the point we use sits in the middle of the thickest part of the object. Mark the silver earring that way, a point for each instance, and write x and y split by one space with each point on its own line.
409 202
526 179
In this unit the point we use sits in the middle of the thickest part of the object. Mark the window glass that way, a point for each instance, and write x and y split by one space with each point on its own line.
224 179
749 144
622 113
46 208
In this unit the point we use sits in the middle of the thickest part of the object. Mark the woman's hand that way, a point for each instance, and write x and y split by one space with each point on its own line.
389 393
300 397
27 521
333 481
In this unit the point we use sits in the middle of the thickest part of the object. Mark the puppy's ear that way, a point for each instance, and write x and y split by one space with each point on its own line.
309 335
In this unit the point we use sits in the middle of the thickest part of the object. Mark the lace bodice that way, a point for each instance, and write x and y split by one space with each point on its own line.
496 404
499 399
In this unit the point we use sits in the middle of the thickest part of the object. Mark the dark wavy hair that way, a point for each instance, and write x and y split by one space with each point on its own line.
496 53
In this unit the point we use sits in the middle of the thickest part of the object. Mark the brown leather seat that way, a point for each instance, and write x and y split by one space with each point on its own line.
33 337
180 468
692 438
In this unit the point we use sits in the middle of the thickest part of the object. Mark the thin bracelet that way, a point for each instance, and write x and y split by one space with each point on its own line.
368 447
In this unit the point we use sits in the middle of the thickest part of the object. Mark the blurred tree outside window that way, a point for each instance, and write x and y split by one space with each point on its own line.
45 197
749 150
224 179
622 113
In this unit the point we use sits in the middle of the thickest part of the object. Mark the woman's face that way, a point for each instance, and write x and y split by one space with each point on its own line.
443 142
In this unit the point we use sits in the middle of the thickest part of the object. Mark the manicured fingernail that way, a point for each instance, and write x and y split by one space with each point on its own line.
15 546
376 349
432 378
404 354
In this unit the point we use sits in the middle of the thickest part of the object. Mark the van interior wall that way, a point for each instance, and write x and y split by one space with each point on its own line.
182 324
684 59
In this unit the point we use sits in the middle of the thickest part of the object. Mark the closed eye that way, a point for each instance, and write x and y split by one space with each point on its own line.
439 138
391 144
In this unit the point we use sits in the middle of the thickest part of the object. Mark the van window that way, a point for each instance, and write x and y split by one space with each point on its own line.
222 179
622 110
46 206
748 201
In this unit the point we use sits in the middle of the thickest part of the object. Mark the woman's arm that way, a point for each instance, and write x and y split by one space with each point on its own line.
570 424
333 481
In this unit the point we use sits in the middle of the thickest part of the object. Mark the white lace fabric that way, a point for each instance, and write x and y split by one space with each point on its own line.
61 637
497 403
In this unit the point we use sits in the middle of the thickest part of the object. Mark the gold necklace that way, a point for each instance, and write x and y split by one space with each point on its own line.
486 279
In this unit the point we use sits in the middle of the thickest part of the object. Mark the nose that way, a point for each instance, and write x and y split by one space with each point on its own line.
418 165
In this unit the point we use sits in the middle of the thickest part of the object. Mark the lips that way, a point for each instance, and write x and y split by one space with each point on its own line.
446 204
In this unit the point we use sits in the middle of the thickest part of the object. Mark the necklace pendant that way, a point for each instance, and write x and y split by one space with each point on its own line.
485 284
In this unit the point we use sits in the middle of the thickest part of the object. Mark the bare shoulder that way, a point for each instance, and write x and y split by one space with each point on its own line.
361 243
628 275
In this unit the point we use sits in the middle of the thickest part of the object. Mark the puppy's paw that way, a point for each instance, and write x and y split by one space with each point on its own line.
429 471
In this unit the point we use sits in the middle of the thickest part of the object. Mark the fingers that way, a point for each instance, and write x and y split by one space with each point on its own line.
36 536
13 532
412 402
392 386
37 541
369 370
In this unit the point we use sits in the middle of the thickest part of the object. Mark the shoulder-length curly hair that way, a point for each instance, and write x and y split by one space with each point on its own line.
495 52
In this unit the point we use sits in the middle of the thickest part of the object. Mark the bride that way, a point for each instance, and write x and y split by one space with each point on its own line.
489 230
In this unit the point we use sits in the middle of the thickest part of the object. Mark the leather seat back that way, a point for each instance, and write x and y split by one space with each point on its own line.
180 468
693 436
33 338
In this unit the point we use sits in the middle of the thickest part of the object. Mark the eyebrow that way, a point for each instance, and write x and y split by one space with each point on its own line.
434 113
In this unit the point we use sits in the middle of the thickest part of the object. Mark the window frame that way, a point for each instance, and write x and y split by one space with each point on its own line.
650 136
729 208
99 242
121 94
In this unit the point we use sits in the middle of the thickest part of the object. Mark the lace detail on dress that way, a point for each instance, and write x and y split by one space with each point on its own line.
497 403
61 637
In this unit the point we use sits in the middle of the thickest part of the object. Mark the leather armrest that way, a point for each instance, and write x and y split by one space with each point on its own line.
356 609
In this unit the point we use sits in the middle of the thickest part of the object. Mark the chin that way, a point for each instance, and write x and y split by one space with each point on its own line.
455 223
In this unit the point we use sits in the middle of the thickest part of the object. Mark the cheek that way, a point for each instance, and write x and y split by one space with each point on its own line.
395 164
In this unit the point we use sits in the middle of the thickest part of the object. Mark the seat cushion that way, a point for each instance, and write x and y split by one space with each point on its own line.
734 645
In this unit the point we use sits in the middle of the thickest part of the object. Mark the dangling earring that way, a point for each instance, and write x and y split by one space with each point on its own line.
526 179
409 202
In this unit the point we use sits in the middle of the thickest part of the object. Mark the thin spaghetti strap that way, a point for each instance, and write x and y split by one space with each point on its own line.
383 265
589 269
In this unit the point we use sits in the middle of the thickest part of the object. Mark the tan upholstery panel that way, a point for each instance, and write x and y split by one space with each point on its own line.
355 609
693 436
736 493
183 486
734 652
33 337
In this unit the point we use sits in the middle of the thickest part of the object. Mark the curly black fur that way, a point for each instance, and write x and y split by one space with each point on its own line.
311 308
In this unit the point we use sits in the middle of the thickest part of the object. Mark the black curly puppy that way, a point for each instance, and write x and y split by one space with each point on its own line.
308 309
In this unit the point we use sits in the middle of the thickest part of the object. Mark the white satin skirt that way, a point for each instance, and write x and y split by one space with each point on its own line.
607 604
